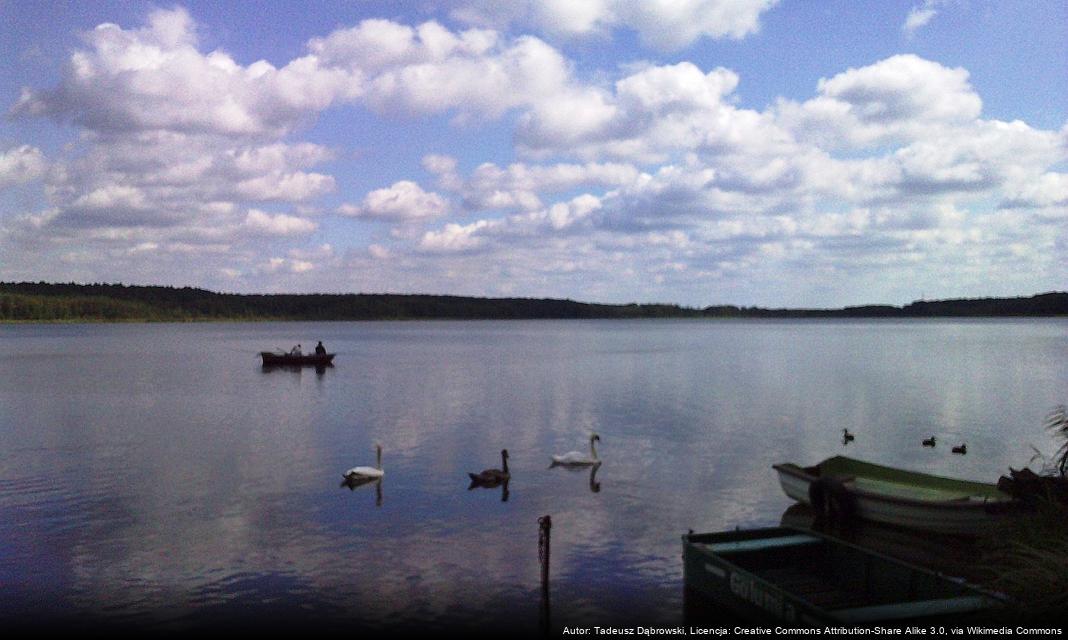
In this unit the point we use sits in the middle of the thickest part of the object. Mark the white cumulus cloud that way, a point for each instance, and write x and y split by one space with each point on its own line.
900 98
663 24
651 112
21 164
920 15
155 78
521 186
278 224
404 200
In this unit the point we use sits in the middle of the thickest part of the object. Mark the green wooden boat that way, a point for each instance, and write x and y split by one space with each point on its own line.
809 579
893 496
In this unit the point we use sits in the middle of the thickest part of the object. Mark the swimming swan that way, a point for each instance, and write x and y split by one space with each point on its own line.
578 459
376 471
492 477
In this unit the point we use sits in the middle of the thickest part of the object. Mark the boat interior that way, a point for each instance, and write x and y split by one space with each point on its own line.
854 585
906 484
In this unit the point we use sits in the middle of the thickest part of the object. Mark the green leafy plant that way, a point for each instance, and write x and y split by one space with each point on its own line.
1028 555
1057 422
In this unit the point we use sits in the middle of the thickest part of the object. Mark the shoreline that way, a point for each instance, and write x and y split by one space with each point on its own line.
887 319
113 303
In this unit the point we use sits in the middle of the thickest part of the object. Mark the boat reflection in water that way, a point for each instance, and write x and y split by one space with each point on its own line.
320 369
946 553
354 482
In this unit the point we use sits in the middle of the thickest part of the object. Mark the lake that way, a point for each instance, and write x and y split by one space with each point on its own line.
156 476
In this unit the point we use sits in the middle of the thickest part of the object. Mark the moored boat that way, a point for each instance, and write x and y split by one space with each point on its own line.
809 579
894 496
271 359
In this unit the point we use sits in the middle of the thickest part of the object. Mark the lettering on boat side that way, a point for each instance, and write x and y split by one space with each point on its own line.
747 588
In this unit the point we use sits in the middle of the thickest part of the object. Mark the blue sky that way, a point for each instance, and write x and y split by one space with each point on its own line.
780 153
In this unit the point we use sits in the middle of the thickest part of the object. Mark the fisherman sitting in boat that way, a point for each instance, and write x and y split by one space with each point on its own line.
295 351
320 350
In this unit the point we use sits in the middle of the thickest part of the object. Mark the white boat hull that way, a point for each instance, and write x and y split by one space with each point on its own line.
960 517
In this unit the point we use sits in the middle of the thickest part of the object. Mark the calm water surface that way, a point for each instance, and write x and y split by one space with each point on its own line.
156 475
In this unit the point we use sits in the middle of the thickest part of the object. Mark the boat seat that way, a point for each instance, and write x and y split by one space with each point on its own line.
912 492
760 544
812 587
905 610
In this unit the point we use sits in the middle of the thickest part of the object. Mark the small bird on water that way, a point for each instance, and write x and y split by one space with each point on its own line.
929 442
962 449
846 436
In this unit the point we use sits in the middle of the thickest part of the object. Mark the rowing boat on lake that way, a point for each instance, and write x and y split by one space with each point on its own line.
852 488
271 359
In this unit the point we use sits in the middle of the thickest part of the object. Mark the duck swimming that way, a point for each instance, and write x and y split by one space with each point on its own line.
846 436
962 449
929 442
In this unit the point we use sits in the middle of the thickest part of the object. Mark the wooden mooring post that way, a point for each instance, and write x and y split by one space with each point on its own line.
545 526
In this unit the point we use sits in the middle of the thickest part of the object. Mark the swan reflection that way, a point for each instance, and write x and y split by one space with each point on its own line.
595 485
354 483
503 484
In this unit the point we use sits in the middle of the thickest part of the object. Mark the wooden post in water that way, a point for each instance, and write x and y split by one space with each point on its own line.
545 525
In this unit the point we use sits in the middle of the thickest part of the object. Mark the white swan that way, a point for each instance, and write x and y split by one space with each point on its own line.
376 471
577 458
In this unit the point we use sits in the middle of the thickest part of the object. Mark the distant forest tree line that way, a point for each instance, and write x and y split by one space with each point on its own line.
47 302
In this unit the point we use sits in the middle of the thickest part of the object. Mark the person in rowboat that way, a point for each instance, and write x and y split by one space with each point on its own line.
295 351
320 350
